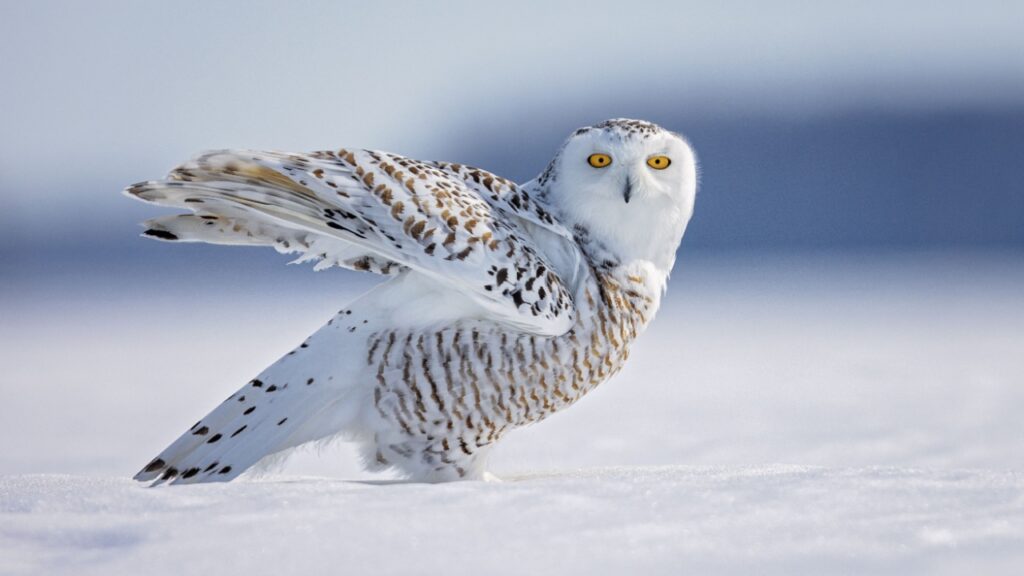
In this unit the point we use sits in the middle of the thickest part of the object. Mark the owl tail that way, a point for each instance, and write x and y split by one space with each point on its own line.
302 397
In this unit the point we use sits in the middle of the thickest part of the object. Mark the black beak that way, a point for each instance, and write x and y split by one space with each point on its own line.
628 192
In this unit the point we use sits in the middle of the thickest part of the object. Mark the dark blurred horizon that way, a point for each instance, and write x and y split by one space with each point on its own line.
862 180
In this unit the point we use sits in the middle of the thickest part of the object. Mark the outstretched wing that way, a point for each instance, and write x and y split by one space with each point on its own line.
375 211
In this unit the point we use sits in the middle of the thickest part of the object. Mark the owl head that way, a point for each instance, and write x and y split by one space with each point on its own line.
628 185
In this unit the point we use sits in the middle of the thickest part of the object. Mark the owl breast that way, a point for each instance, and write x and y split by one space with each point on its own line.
441 397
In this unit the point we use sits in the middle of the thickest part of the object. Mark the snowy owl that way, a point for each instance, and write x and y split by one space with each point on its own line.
505 303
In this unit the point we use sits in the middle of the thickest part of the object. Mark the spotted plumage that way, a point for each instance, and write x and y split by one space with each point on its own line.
505 303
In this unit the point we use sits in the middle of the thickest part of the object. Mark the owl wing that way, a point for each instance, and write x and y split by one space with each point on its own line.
379 212
506 196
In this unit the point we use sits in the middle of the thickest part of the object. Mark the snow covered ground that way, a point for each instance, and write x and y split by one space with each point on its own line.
637 520
790 414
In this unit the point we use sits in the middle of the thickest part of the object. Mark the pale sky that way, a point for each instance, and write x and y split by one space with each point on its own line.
105 93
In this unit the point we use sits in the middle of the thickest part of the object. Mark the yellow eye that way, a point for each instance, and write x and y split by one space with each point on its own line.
599 160
659 162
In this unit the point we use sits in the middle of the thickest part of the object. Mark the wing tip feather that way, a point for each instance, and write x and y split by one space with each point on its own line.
159 234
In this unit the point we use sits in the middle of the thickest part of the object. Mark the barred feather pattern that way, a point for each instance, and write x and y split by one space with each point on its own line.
445 396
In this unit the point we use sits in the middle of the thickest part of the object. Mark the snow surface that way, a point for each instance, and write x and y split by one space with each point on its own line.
641 520
799 414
